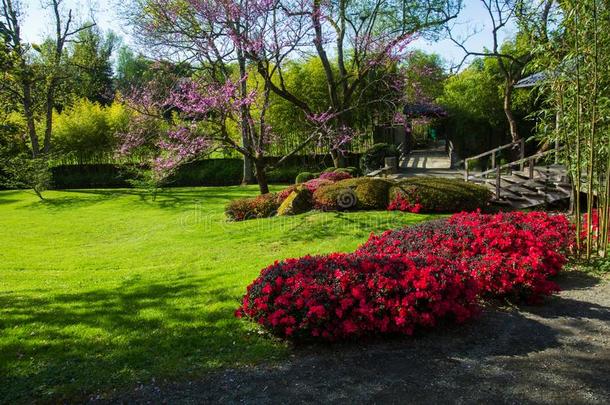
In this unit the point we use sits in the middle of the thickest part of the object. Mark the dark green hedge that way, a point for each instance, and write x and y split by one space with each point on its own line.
208 172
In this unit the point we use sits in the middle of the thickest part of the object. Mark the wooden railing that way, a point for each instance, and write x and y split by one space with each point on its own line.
493 153
529 161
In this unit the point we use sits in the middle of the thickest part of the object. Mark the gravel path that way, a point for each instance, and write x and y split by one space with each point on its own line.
556 353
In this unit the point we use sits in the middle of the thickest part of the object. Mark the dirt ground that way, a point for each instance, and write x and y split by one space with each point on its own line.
550 354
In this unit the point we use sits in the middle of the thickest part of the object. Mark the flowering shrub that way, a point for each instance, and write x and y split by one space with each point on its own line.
402 203
282 195
348 295
512 255
438 195
595 231
262 206
315 184
335 176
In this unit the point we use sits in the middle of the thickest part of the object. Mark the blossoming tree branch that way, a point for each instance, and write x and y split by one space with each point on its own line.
240 49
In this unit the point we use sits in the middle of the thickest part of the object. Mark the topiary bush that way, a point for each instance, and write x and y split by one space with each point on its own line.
430 194
305 176
353 171
373 158
262 206
360 194
349 295
511 255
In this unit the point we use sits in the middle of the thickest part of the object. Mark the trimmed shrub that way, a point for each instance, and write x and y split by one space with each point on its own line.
353 171
373 158
361 194
335 176
298 202
305 176
430 194
349 295
512 255
262 206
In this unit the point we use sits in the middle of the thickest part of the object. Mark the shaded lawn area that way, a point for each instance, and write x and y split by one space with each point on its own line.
101 290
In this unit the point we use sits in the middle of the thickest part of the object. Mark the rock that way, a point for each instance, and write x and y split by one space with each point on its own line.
298 201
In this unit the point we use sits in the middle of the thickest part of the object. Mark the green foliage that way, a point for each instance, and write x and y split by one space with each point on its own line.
87 129
91 65
425 74
373 158
305 176
25 172
474 102
132 71
209 172
442 194
298 202
283 174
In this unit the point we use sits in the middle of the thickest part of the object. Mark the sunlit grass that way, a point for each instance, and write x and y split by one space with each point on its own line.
102 289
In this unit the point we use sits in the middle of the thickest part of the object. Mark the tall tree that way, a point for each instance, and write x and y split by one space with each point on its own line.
90 57
24 79
532 19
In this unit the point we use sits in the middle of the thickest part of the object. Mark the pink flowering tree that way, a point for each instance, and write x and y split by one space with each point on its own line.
240 49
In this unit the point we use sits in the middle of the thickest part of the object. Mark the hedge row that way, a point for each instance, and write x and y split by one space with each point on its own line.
209 172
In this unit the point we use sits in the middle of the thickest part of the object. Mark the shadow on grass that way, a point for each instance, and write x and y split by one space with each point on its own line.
503 357
166 198
315 227
67 346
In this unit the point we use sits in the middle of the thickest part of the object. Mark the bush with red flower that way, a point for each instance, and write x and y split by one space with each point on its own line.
512 255
335 176
404 204
349 295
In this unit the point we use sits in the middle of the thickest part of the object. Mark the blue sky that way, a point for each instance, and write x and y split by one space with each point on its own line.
472 19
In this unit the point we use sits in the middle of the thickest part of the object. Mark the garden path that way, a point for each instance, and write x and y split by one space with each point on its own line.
555 353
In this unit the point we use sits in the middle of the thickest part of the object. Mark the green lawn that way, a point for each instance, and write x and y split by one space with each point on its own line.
103 289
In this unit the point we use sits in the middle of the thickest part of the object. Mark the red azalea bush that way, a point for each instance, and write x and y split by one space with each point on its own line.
348 295
512 255
594 225
315 184
402 203
262 206
282 195
335 176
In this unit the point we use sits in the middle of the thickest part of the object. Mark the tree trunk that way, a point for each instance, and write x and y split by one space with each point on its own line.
49 116
247 175
29 116
512 122
261 176
338 159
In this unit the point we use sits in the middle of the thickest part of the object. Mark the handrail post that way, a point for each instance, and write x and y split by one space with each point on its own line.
521 152
493 160
498 180
557 151
466 170
531 168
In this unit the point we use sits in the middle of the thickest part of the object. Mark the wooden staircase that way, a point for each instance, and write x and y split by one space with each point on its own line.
523 183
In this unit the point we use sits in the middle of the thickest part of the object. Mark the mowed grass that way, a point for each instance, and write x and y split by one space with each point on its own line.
101 290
